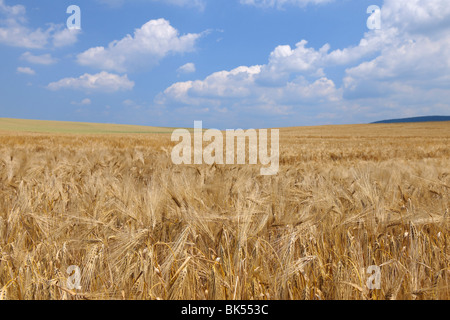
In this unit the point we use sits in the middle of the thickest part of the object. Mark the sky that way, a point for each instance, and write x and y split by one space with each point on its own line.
228 63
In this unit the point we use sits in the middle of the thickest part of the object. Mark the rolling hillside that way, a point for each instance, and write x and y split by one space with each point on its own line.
417 119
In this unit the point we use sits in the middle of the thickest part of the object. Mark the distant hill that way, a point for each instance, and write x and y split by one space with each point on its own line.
417 119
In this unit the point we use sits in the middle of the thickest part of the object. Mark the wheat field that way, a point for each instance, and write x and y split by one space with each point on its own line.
139 227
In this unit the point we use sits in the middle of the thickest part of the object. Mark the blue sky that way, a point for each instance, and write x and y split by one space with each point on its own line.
229 63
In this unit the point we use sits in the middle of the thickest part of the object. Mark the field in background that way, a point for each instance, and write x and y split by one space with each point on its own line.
139 227
43 126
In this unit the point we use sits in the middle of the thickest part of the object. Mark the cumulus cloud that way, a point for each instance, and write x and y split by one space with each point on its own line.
402 69
13 29
44 59
238 88
223 85
284 60
103 82
17 10
26 70
65 37
15 32
417 16
417 62
414 60
149 44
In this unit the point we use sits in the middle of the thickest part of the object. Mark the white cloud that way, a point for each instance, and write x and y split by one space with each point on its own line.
282 3
26 70
65 37
417 16
401 70
187 68
278 85
219 85
13 12
238 89
414 62
15 32
284 60
103 82
149 44
45 59
421 61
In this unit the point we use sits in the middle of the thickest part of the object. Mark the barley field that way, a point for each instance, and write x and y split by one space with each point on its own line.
139 227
